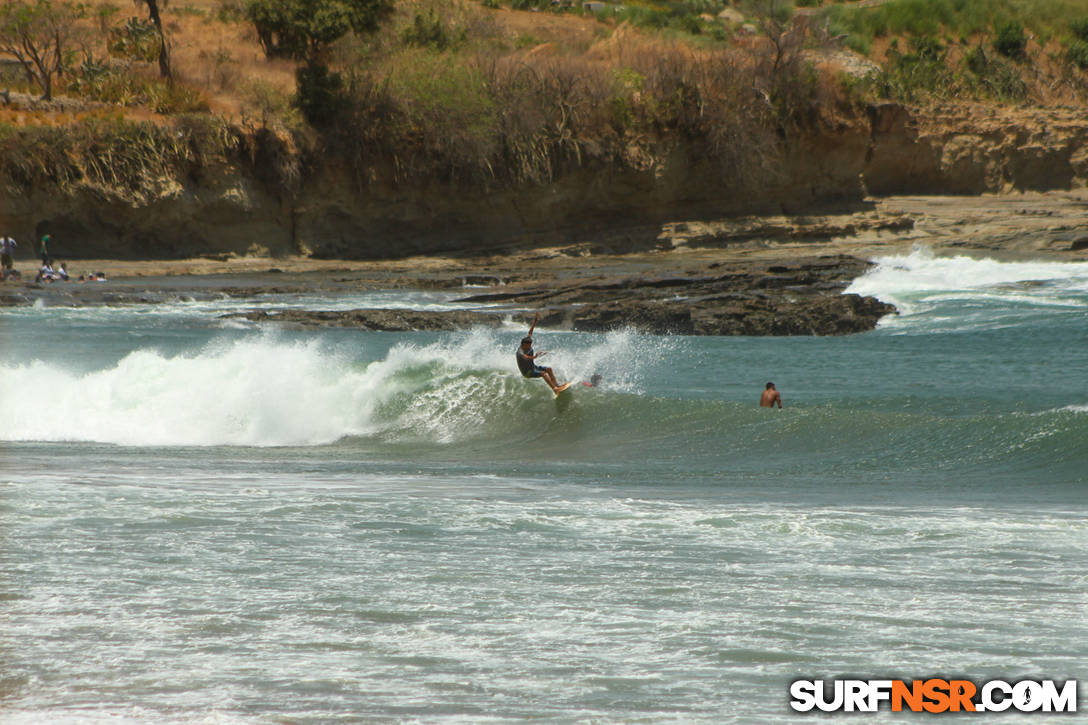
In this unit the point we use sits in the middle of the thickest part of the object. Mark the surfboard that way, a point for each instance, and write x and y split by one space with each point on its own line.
562 389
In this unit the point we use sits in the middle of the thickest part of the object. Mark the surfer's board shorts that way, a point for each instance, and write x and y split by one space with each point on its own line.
537 372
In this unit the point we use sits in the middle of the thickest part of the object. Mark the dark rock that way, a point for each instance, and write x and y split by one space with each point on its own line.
804 298
377 320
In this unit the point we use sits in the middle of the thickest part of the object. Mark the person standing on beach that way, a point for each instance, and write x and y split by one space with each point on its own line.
45 248
770 397
7 250
526 358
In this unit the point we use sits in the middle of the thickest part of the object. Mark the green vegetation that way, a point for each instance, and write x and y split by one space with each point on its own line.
430 31
950 18
304 29
112 82
113 153
135 39
1009 39
963 49
1077 53
451 90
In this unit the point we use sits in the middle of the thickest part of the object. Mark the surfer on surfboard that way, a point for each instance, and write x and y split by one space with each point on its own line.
529 368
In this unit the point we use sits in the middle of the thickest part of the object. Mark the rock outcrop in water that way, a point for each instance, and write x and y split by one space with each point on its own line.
801 297
792 298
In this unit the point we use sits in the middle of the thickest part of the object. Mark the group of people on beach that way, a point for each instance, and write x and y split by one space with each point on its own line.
50 270
527 357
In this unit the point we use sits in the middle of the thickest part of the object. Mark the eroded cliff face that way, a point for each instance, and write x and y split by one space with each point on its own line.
610 209
975 150
230 207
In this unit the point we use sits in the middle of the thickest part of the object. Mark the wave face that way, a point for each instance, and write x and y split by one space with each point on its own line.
263 390
973 379
663 411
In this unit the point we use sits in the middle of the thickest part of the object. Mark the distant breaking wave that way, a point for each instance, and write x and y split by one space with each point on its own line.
920 283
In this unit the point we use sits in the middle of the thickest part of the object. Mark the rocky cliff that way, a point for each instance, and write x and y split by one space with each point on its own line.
240 201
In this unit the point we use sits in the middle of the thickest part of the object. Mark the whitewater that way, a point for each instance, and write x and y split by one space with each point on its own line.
204 519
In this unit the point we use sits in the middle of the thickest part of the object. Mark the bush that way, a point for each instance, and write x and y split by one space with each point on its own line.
997 77
1077 54
113 82
923 71
136 39
688 24
1080 29
1010 40
644 17
321 94
431 32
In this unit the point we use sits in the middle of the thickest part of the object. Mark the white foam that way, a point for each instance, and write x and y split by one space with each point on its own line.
255 392
266 391
917 281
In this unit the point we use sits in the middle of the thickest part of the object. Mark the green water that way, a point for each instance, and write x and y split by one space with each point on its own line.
203 520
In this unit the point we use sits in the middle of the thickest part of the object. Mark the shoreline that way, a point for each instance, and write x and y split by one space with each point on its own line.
764 259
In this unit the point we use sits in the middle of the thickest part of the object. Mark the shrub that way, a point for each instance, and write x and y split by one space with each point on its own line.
644 17
922 71
321 94
115 82
230 11
1080 29
689 24
135 39
1010 40
1077 54
431 32
997 77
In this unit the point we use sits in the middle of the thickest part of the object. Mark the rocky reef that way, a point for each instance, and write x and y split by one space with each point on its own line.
802 297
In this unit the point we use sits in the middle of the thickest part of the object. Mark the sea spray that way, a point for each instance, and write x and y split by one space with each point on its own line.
257 391
921 283
266 390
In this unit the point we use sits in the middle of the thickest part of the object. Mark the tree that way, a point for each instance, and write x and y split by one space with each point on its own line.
304 29
156 19
39 34
775 19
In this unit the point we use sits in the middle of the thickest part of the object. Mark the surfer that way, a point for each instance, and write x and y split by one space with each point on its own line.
527 365
770 397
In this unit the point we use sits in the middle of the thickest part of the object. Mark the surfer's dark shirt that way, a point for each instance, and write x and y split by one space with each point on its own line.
525 365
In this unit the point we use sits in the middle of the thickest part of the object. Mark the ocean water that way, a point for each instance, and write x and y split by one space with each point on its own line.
205 520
